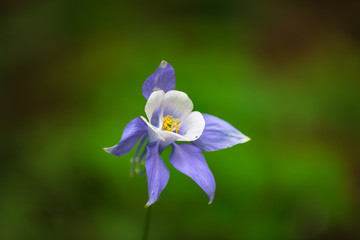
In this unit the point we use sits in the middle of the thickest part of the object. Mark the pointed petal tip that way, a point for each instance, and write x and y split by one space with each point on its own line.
108 150
163 63
148 204
211 198
243 139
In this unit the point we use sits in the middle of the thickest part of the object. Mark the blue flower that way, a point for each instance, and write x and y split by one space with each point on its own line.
170 119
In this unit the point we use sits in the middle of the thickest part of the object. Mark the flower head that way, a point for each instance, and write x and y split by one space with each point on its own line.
170 119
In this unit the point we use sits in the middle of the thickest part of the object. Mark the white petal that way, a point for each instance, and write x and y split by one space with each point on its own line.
154 133
176 104
165 137
171 136
193 126
153 102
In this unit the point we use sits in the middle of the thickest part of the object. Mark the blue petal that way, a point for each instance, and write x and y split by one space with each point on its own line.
157 173
135 129
162 79
218 134
189 160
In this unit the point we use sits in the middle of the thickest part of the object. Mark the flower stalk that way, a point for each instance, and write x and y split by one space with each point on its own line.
145 235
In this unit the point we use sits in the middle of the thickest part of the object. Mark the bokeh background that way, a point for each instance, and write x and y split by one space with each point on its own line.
286 73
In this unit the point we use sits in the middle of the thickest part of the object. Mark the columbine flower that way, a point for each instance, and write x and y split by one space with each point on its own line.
170 118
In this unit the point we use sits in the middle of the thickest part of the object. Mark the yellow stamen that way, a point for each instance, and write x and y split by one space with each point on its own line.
171 124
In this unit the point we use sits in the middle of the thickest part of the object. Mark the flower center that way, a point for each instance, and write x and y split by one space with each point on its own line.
171 124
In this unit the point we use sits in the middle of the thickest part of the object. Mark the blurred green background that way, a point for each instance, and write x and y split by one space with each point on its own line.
285 73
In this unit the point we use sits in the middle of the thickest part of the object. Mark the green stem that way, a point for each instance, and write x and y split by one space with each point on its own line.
147 223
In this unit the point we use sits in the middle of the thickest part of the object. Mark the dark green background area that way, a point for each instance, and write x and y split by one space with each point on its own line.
285 73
